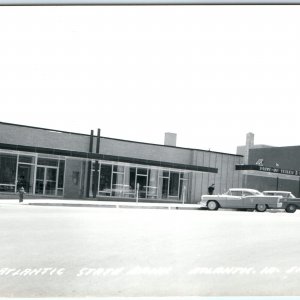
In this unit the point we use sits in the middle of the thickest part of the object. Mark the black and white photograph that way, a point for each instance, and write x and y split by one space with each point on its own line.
149 149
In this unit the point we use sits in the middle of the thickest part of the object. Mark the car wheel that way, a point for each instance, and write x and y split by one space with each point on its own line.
261 207
291 208
212 205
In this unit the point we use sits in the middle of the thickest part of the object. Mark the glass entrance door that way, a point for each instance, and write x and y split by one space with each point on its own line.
46 181
141 180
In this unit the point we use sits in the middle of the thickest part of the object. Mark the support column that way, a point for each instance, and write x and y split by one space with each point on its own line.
160 184
153 184
89 168
126 190
96 172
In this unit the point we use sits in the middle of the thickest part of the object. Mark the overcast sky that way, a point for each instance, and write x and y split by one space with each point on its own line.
208 73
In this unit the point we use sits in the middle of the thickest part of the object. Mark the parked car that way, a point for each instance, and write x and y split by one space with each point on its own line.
289 202
239 198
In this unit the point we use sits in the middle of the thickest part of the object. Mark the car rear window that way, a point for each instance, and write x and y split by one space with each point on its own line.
236 193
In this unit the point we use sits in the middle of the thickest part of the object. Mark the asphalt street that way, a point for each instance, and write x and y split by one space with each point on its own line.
108 252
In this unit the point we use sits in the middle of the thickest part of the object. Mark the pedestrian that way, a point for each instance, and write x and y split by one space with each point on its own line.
21 183
211 189
21 194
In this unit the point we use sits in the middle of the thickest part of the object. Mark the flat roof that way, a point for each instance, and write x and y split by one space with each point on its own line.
122 140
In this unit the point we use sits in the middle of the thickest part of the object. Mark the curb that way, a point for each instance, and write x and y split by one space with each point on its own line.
107 204
117 206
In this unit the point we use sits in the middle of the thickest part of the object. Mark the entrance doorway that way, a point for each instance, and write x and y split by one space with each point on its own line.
46 180
25 175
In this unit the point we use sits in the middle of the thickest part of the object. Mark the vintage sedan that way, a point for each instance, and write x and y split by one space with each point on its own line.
239 198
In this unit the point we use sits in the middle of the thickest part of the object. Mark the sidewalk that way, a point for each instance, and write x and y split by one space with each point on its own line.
91 203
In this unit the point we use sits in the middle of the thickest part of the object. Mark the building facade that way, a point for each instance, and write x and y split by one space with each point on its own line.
268 168
52 163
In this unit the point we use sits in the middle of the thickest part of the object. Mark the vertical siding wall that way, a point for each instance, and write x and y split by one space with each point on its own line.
73 189
227 177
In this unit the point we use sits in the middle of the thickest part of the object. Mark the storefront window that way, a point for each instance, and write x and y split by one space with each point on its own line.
141 182
132 178
47 162
119 169
163 188
142 171
28 159
44 176
61 178
105 180
117 184
8 164
50 188
174 184
126 181
183 186
8 168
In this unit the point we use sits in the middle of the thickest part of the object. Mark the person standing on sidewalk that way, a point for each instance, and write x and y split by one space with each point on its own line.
211 189
21 183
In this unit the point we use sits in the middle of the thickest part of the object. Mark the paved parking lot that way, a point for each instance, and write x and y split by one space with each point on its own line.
78 251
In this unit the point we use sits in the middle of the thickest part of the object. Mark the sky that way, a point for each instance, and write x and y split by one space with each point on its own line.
211 74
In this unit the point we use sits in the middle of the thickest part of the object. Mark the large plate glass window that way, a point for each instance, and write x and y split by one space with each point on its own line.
183 186
118 180
174 185
61 174
134 181
163 187
105 180
8 168
26 170
142 182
